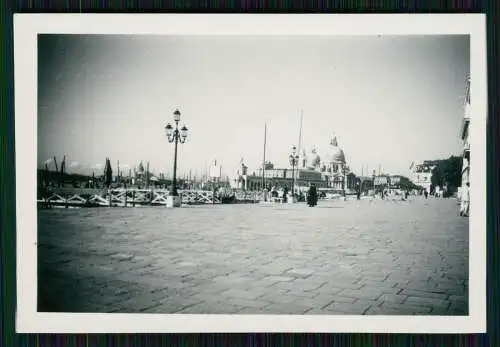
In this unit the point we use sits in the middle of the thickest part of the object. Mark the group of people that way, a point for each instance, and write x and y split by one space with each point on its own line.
311 196
275 194
394 195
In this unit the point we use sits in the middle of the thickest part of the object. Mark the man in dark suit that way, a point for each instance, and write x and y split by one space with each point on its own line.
312 196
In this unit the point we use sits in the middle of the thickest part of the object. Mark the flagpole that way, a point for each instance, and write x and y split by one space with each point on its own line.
300 130
294 173
264 158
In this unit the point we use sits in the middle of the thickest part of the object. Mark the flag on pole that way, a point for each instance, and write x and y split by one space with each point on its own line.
412 165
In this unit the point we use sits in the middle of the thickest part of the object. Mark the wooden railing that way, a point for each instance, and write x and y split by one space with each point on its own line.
80 197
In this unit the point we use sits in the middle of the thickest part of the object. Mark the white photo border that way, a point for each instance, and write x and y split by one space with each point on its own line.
28 26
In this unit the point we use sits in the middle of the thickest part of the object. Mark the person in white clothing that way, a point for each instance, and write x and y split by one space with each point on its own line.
465 203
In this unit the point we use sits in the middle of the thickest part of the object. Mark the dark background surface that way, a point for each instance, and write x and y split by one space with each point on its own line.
7 177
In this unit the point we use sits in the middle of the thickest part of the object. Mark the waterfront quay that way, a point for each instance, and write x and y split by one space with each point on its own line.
342 257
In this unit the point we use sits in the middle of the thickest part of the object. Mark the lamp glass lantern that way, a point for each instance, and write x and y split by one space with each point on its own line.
177 115
184 132
169 130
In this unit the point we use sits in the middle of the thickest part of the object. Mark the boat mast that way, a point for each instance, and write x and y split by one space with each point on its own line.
300 131
264 158
299 148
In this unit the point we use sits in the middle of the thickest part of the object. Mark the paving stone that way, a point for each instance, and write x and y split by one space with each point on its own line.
343 299
405 309
392 298
270 280
458 299
251 310
243 294
421 286
424 294
316 311
172 305
280 308
340 308
458 310
257 303
140 303
387 310
211 308
294 285
368 294
428 302
300 273
233 280
327 290
318 301
279 298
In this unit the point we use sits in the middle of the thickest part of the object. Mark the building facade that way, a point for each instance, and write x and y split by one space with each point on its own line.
422 175
464 135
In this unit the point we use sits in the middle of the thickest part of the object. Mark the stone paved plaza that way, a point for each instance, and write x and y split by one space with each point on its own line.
352 257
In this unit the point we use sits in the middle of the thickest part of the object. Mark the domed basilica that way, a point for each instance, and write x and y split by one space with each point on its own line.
327 171
332 164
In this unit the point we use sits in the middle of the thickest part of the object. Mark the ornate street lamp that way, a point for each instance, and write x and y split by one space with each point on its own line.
176 135
294 160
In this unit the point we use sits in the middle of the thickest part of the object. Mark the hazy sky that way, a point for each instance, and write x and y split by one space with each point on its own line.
390 100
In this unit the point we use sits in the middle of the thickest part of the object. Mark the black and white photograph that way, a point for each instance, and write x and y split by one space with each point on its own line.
255 175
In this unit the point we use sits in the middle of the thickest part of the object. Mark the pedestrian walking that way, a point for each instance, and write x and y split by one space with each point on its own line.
285 194
465 203
312 196
274 192
426 193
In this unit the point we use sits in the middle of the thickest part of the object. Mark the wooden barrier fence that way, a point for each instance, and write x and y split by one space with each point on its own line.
79 197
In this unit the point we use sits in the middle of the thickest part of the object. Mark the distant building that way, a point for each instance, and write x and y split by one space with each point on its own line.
240 177
279 177
330 172
366 183
422 174
332 166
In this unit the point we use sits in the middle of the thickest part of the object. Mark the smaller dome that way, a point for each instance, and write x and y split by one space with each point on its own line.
315 158
312 159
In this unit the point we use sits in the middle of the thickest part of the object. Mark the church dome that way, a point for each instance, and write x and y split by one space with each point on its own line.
335 153
315 160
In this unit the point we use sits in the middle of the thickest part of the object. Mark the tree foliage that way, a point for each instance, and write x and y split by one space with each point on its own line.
447 172
406 184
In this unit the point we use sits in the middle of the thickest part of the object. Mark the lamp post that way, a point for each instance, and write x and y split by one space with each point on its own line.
345 170
294 159
176 136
